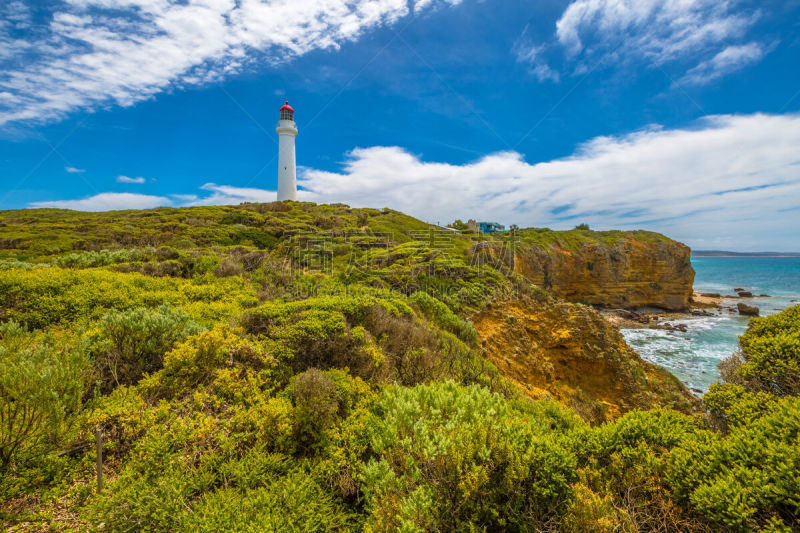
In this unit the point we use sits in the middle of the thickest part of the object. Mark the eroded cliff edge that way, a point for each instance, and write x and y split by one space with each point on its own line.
570 353
614 269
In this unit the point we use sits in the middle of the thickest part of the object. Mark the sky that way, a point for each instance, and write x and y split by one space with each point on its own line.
678 116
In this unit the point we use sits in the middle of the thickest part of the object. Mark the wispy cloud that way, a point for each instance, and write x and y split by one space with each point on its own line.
531 54
126 179
730 60
108 201
95 53
73 170
653 33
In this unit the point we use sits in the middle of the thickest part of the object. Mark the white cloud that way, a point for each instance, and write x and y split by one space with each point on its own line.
731 59
719 183
15 16
73 170
603 33
230 195
108 201
100 52
126 179
185 198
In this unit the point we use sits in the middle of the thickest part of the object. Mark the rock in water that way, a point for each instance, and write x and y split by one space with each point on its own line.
745 294
747 310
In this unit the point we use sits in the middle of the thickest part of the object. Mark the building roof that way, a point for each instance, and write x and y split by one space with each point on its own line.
286 106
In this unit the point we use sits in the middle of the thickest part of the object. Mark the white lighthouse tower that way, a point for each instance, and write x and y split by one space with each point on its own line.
287 168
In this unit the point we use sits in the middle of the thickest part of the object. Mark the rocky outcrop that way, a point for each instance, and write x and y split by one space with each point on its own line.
570 353
625 272
747 310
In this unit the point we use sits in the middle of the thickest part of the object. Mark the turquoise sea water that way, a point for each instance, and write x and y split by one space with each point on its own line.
693 356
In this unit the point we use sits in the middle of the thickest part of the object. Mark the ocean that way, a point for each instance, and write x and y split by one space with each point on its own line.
693 356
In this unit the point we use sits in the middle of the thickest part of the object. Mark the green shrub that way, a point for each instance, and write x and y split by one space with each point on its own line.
444 317
590 512
128 344
227 267
8 264
732 405
312 415
42 382
444 454
747 480
168 467
198 458
288 503
322 400
166 253
222 360
50 296
771 352
624 460
317 405
101 258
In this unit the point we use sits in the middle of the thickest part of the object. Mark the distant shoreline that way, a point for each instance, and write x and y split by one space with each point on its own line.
714 253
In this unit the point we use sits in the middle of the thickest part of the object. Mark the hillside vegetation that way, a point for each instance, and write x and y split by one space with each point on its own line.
293 367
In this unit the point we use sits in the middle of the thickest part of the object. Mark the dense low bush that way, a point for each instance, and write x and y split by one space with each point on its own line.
102 258
770 352
293 500
442 455
622 463
42 298
42 383
731 405
217 442
13 264
128 344
376 336
748 480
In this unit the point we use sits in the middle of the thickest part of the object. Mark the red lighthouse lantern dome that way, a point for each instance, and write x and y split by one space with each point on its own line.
287 113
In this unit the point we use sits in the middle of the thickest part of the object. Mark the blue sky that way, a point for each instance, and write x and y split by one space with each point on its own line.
677 116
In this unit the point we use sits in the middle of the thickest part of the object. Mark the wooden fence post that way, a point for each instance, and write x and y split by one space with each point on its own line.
98 439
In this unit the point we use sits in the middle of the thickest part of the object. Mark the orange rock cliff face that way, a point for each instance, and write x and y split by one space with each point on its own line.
568 352
626 272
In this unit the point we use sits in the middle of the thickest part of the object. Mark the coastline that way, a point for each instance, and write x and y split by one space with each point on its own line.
701 305
690 344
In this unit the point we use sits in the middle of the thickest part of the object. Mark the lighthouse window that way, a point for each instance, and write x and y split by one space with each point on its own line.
287 115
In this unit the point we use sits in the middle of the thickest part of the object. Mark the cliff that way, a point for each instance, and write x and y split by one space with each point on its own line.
569 352
609 269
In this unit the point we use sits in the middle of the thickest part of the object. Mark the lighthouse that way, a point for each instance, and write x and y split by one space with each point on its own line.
287 168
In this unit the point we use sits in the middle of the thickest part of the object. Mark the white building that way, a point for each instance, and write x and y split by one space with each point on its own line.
287 166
